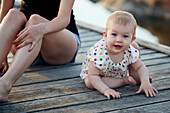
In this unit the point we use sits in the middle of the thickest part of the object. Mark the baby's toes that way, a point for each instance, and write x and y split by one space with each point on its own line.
132 80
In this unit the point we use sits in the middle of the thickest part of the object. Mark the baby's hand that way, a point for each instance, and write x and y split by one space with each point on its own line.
148 89
112 92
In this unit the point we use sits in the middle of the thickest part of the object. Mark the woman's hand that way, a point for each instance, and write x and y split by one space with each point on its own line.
110 92
30 35
4 66
148 89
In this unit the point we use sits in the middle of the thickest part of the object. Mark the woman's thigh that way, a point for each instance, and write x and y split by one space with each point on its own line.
57 47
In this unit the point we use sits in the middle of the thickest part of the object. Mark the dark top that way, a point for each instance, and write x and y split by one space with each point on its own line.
47 9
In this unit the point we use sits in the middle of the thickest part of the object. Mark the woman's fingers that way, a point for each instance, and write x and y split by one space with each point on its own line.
18 39
32 46
5 69
23 43
20 36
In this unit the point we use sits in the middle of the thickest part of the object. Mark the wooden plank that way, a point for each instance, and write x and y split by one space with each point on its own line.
35 75
45 84
162 60
70 72
48 75
163 107
82 30
92 101
91 38
61 88
142 51
89 34
80 57
71 94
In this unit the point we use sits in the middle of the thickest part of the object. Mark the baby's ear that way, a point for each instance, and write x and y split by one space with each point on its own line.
104 34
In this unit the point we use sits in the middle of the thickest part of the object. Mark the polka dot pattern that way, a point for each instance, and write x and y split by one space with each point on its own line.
99 57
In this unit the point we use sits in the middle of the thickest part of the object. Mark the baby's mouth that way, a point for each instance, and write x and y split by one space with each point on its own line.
118 46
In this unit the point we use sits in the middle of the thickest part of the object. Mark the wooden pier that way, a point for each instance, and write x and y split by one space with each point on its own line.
55 89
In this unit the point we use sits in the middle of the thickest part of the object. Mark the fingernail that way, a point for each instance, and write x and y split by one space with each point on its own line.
29 50
17 34
17 47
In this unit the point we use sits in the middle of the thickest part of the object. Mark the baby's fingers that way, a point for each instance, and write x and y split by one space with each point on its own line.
146 92
139 91
117 96
155 90
108 96
151 93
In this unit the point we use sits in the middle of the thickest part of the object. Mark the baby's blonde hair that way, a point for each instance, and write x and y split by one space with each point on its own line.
122 18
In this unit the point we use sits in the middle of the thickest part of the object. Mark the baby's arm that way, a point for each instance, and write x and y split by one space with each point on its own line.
144 79
97 83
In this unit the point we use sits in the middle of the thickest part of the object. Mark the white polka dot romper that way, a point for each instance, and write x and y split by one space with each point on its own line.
98 55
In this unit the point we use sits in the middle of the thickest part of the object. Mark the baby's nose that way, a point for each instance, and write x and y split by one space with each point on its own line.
119 39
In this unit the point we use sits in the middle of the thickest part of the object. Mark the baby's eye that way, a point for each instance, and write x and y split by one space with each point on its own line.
114 34
125 36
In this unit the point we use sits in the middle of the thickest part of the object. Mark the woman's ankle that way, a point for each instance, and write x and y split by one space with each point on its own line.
6 85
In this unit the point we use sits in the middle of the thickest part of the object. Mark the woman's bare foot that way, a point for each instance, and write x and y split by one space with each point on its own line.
4 91
129 80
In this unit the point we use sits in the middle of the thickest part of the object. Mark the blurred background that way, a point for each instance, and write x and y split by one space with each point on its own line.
153 16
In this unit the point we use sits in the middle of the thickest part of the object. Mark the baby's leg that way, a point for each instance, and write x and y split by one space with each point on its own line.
132 72
118 82
87 83
112 82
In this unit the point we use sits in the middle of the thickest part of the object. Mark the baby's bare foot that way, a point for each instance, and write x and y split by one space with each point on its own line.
3 92
129 80
150 79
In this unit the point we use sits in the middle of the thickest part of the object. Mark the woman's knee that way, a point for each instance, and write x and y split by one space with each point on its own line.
36 19
15 15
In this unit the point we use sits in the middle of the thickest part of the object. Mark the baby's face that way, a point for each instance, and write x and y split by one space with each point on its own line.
119 37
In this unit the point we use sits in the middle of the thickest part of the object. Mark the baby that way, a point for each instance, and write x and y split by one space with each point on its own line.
115 61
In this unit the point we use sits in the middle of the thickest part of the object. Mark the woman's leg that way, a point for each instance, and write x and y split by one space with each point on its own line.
9 28
58 47
22 60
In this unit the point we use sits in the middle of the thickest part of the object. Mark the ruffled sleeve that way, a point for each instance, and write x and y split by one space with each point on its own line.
97 55
133 54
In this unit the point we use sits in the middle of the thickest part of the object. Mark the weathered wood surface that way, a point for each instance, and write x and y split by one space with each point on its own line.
60 89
